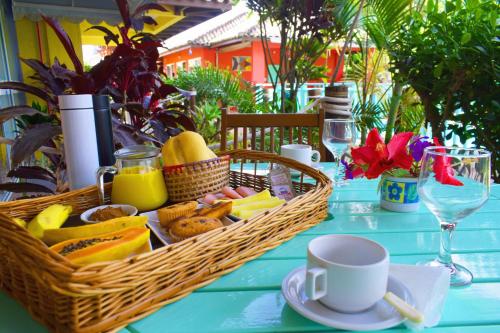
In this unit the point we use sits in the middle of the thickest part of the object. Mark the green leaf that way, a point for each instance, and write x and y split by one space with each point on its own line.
400 173
430 6
466 37
493 19
438 70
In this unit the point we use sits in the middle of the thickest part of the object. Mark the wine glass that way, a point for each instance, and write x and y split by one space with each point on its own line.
338 135
453 183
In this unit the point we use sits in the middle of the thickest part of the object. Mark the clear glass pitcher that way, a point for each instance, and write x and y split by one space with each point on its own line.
138 179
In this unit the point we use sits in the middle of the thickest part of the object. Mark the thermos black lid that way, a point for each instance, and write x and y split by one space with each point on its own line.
104 131
100 102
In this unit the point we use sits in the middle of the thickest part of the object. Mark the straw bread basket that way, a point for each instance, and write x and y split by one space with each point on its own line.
191 181
106 296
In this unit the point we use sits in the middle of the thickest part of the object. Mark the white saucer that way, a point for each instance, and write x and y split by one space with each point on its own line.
378 317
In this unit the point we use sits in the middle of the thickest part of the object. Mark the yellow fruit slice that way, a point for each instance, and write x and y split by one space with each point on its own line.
20 222
106 247
258 205
54 236
51 217
246 214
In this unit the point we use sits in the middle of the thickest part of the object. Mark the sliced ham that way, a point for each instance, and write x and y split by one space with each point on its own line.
220 195
210 198
245 191
229 192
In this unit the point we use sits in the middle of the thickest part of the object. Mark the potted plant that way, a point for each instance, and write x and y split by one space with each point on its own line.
130 75
398 162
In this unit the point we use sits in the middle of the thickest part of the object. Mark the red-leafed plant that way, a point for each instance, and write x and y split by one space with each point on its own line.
130 75
401 157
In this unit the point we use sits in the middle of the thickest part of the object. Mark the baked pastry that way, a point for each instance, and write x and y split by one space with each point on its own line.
219 210
192 226
168 214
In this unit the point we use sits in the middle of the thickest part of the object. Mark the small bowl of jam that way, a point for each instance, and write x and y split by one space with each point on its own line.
107 212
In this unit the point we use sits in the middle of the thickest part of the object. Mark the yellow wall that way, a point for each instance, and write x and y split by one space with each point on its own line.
164 20
48 48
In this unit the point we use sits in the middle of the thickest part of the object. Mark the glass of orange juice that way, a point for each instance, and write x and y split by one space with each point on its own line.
138 179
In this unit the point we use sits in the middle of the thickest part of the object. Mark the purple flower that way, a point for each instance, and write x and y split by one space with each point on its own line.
348 171
417 147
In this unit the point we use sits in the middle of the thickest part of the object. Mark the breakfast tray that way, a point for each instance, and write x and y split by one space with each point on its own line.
107 296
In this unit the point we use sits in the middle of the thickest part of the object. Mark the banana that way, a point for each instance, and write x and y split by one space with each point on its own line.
51 217
54 236
20 222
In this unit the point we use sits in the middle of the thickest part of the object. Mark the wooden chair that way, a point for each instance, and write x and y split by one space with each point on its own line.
250 130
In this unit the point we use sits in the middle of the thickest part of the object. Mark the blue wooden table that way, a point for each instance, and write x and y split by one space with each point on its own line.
250 300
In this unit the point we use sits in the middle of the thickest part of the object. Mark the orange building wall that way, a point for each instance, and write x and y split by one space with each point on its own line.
258 72
207 56
329 59
226 58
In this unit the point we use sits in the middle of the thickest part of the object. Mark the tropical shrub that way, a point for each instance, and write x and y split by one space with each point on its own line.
383 22
410 116
217 86
366 69
130 75
449 55
207 120
215 89
306 29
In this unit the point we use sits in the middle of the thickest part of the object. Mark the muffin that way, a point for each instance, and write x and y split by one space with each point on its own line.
192 226
218 210
168 214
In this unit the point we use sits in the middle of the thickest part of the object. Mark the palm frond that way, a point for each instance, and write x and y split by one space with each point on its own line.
384 18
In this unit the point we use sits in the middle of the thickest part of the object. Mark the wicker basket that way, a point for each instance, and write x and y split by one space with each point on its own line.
193 180
107 296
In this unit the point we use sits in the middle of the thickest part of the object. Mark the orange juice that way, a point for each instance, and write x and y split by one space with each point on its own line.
139 186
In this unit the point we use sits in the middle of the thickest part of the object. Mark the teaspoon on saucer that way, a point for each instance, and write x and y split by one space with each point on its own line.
404 309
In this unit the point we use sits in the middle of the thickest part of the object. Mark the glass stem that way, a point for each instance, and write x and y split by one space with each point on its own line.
445 247
339 171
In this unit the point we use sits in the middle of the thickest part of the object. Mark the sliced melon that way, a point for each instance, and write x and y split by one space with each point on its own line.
257 205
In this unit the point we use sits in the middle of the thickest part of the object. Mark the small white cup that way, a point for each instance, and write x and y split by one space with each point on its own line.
301 153
346 273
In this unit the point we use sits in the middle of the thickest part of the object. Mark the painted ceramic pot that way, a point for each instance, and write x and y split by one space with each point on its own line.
399 194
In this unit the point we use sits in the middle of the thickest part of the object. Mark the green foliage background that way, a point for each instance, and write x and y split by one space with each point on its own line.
449 54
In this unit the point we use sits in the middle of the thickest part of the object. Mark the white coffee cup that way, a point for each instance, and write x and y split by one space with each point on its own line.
346 273
301 153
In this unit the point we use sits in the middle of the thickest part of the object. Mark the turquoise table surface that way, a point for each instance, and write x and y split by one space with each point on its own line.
249 299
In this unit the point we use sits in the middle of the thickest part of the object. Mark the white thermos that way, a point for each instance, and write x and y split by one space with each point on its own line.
80 142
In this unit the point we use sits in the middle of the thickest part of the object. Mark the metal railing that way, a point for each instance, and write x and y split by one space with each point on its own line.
310 91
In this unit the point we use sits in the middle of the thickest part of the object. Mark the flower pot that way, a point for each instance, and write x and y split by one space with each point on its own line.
399 194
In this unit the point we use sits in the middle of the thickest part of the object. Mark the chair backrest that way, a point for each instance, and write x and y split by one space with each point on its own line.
267 132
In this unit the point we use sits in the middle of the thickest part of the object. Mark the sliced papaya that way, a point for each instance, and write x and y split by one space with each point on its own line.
53 236
111 246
